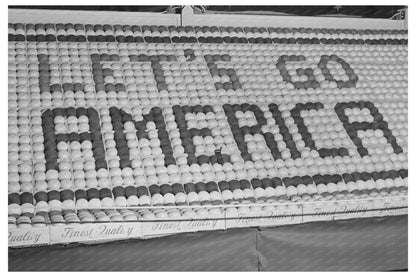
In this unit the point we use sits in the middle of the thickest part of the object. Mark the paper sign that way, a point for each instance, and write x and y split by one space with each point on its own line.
391 207
183 226
27 237
349 210
263 218
320 213
94 232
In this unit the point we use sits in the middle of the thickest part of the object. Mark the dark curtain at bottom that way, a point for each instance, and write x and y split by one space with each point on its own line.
374 244
209 251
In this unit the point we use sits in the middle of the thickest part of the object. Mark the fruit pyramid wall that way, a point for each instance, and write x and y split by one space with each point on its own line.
105 116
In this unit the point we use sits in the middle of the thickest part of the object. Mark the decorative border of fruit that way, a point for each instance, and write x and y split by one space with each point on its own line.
200 34
270 215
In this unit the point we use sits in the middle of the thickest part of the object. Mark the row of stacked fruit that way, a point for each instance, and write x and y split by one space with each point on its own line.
204 34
